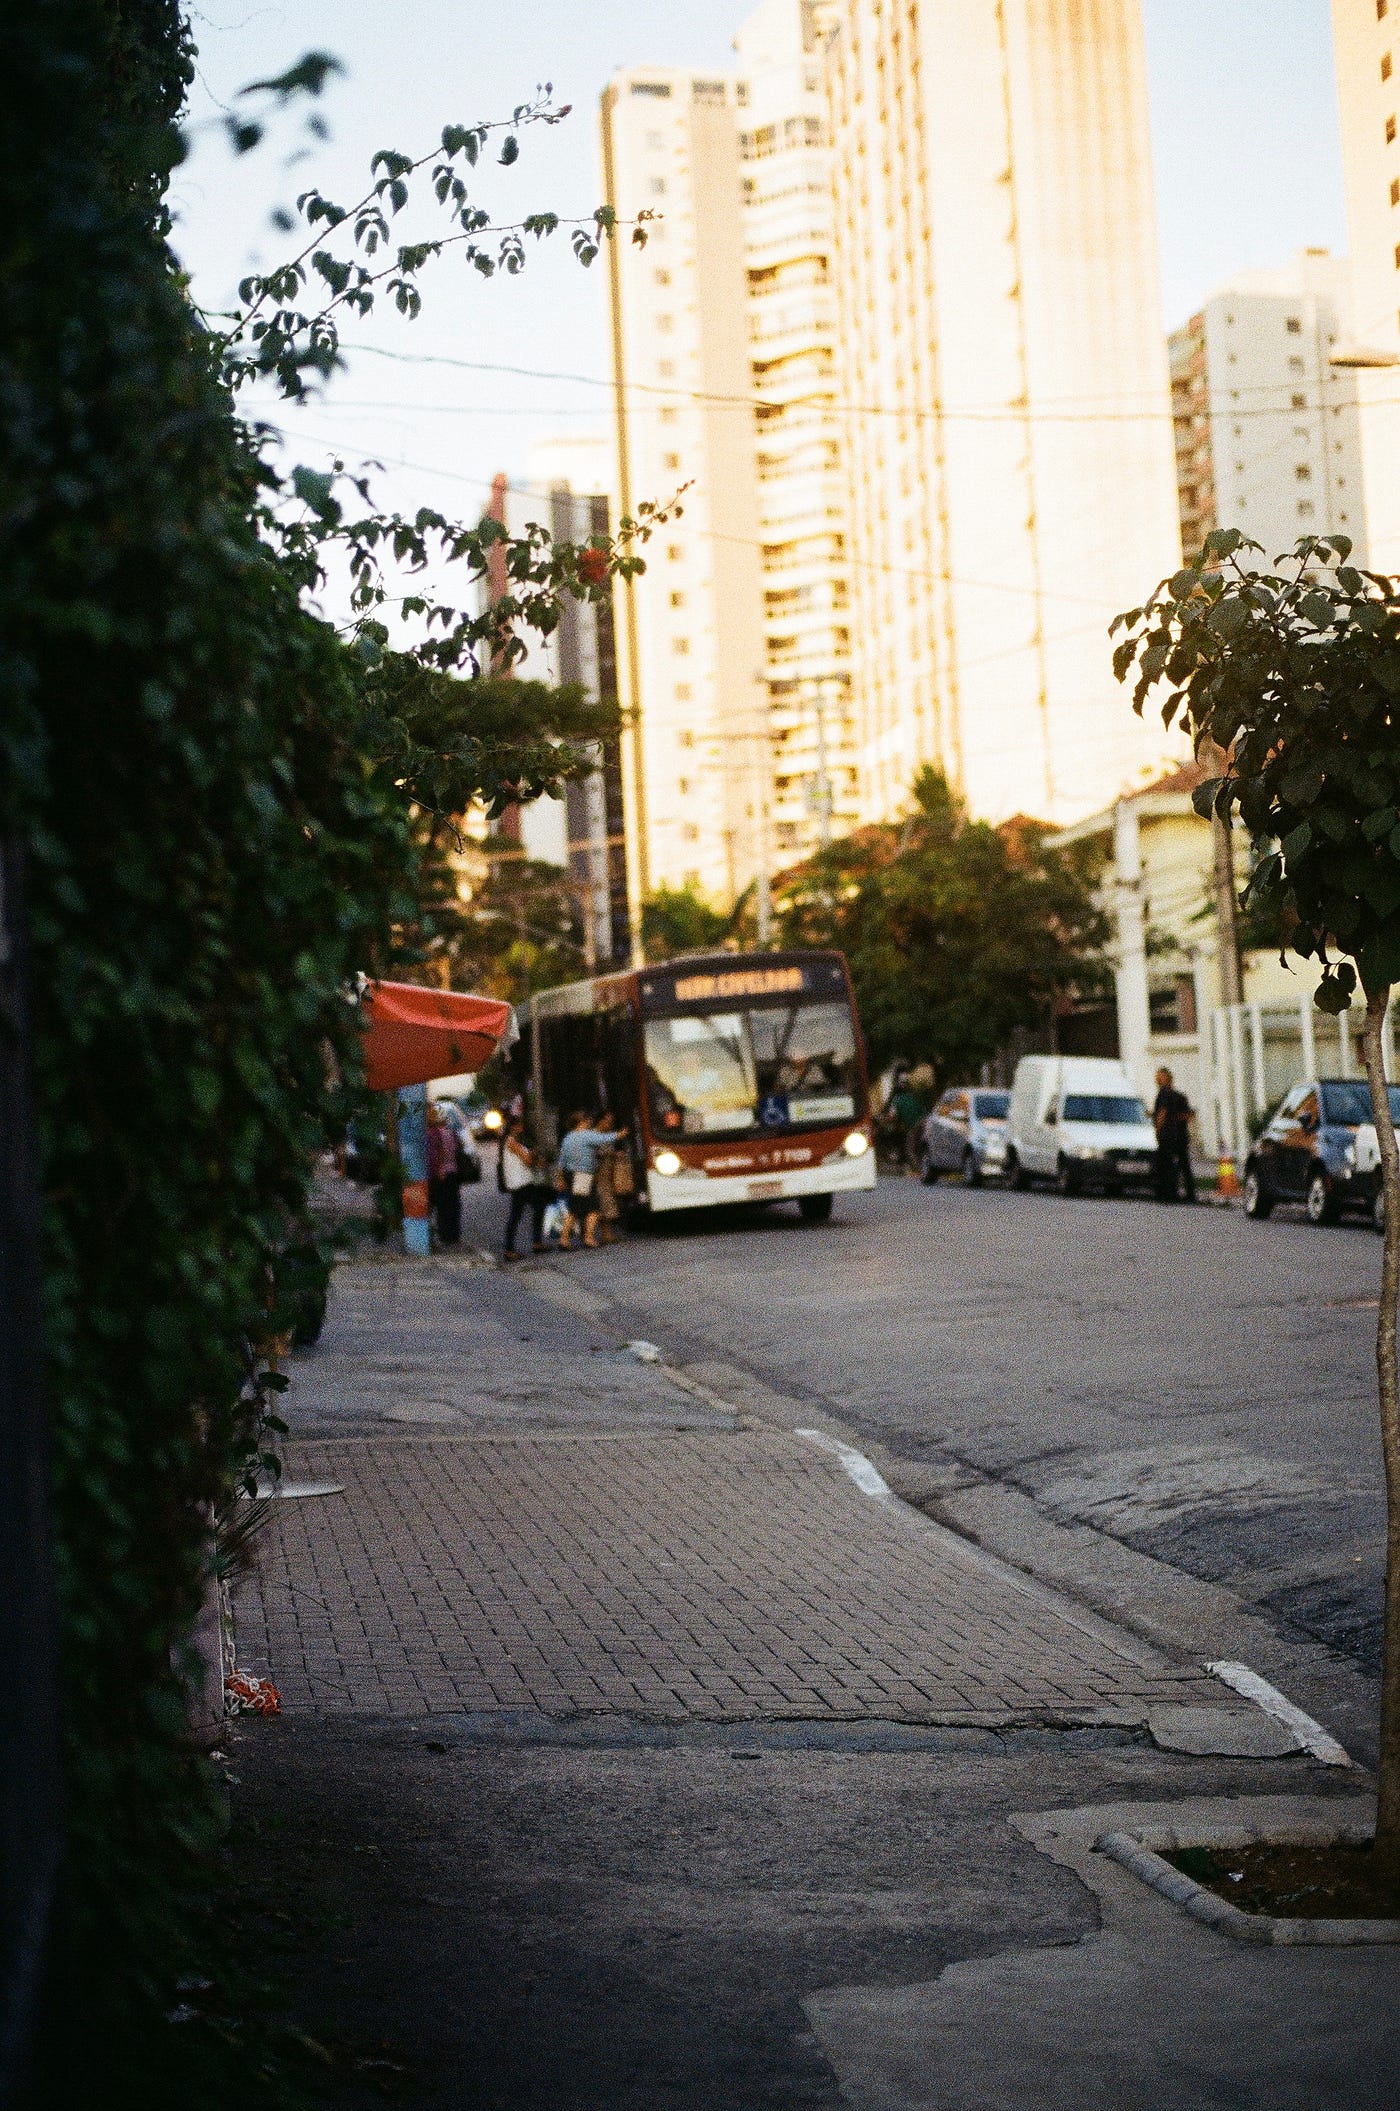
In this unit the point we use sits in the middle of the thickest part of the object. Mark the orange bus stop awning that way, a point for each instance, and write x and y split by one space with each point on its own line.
414 1034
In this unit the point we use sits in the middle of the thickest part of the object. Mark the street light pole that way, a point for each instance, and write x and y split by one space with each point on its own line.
823 776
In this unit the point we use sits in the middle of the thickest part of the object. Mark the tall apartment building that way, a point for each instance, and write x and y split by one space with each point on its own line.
1267 430
691 638
585 830
1366 35
801 487
1005 392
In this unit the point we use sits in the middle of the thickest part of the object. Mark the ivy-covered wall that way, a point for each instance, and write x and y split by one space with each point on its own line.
210 862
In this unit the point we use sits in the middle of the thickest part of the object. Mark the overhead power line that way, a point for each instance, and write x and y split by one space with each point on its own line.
988 413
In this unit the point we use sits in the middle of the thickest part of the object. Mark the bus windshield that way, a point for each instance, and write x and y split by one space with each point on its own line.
753 1067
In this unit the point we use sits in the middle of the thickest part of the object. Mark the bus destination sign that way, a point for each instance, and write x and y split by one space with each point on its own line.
739 982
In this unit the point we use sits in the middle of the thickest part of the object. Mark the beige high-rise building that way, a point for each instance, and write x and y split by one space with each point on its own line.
1366 34
690 631
801 482
1004 386
1267 431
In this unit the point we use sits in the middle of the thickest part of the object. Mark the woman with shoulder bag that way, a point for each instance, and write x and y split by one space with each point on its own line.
517 1178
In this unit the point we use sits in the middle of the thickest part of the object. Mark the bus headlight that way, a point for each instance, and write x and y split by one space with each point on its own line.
666 1163
856 1144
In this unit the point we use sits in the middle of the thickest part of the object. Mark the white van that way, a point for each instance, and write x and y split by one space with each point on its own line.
1077 1120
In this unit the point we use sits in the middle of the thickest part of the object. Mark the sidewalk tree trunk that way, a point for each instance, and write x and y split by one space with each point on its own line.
1292 679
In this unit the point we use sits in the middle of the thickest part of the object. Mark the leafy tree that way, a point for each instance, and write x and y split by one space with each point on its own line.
957 933
1295 676
680 920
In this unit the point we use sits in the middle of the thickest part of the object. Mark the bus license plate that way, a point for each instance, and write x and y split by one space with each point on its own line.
764 1190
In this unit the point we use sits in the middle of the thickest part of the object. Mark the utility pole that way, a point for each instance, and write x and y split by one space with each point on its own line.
823 775
1226 902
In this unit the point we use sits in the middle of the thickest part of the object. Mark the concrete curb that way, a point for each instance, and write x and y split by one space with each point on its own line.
1141 1852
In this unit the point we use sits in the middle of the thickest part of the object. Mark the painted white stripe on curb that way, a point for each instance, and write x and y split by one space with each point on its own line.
866 1477
1309 1734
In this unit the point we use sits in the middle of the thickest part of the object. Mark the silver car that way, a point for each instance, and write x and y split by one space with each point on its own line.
962 1133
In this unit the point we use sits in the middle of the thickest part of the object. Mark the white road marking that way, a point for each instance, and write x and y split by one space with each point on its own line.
1310 1734
866 1477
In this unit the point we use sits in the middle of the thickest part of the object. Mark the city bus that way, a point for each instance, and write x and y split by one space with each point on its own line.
737 1077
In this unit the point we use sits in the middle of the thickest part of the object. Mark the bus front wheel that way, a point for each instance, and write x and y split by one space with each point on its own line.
815 1208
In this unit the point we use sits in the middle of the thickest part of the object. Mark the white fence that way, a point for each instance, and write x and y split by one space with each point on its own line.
1251 1053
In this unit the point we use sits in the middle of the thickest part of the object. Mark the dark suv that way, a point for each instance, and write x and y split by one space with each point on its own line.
1307 1153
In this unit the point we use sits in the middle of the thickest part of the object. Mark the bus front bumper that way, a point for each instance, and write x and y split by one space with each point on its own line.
694 1189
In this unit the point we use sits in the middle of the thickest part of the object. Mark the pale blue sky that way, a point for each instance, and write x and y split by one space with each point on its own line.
1244 140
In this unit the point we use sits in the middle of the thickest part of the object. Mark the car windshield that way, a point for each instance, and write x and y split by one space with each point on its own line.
1347 1105
765 1067
1102 1106
991 1106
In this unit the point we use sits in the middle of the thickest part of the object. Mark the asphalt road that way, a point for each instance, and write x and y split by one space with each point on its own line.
1193 1385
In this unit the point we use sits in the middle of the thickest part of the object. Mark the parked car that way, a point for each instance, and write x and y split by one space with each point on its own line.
1077 1120
1311 1152
959 1133
1368 1161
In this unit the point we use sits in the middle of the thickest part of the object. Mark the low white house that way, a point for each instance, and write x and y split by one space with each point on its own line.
1156 883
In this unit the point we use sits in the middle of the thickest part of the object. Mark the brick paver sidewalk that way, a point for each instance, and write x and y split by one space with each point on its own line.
604 1563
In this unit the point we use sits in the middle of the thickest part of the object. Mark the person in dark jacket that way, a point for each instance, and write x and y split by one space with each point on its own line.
1171 1118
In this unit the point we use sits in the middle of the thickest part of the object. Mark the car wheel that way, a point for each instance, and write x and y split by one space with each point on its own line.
1258 1202
971 1170
1319 1204
1067 1177
928 1171
1016 1175
815 1208
1378 1211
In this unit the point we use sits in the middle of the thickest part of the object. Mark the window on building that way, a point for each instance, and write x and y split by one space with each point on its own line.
685 738
680 646
683 787
669 415
666 368
663 278
670 461
678 600
1172 1006
690 832
1294 326
657 186
1389 131
674 552
1303 473
1385 65
1300 403
1395 191
665 324
1305 509
683 697
664 87
1295 366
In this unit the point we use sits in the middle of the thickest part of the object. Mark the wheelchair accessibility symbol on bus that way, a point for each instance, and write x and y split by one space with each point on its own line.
773 1110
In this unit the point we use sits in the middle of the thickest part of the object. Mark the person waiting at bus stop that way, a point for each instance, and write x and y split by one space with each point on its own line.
519 1178
578 1175
444 1177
